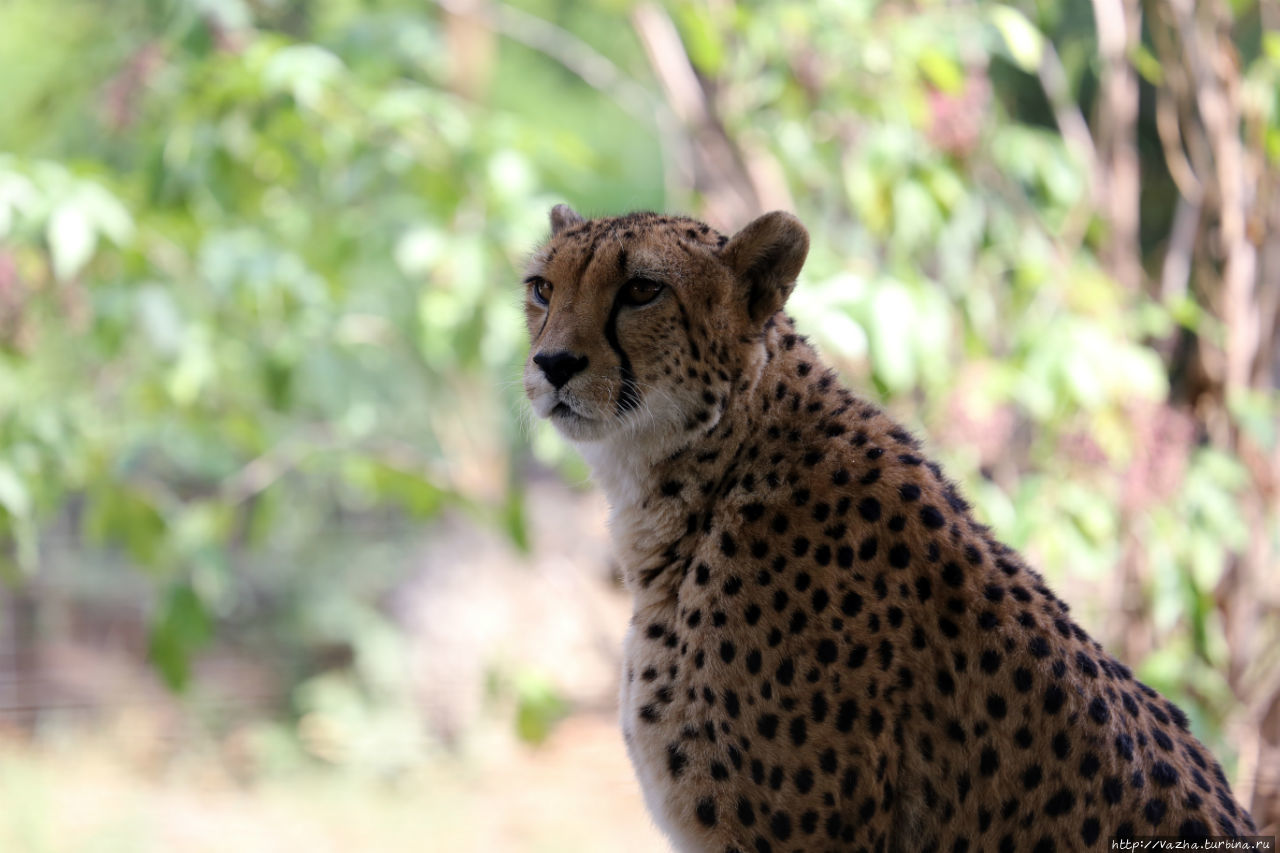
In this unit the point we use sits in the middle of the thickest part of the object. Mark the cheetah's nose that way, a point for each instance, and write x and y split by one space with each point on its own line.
560 367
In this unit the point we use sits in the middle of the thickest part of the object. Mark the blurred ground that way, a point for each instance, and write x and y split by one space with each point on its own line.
113 762
574 793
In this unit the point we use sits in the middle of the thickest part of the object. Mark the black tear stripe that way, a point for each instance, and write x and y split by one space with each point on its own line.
629 396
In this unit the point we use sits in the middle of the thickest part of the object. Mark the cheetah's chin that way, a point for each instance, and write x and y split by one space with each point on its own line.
574 425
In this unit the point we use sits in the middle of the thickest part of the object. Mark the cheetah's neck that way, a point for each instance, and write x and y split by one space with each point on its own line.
660 487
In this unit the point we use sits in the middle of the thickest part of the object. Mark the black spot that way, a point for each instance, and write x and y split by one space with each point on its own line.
767 726
1022 737
946 684
886 654
1054 697
924 589
799 732
989 662
953 575
869 509
1193 828
746 813
996 707
753 661
803 780
786 672
1089 765
706 811
780 825
671 488
1154 811
1039 647
931 517
899 556
1022 679
1060 803
1112 790
676 760
989 762
857 655
1061 746
1163 774
727 651
845 716
1090 830
909 491
727 546
851 605
1099 711
1032 776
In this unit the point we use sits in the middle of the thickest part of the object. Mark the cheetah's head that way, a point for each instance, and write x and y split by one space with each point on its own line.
642 326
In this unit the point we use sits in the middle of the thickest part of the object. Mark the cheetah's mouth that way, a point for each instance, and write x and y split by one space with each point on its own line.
565 411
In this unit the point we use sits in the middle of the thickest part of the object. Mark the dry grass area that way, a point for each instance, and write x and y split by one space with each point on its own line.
573 793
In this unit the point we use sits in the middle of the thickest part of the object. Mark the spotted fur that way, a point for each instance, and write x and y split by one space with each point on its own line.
827 651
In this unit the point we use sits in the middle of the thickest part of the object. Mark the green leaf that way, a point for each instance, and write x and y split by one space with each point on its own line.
539 706
180 628
942 71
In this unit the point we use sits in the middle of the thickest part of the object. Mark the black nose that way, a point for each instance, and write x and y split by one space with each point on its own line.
560 367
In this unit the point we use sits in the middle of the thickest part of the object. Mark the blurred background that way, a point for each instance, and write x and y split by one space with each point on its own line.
286 564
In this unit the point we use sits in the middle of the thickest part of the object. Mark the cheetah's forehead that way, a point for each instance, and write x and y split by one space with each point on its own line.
640 244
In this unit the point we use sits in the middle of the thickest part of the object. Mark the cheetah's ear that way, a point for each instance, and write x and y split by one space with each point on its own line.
766 256
563 216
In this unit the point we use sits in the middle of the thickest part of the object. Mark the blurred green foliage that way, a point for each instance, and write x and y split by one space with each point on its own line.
258 265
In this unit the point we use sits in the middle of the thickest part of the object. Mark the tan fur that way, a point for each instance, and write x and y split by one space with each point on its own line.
827 651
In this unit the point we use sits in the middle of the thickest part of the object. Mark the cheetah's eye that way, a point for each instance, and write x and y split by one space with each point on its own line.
640 291
541 290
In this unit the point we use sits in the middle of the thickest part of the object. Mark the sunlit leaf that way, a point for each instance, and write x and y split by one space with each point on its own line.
1024 42
71 240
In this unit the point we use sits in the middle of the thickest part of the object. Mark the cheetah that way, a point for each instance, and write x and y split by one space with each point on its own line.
827 651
